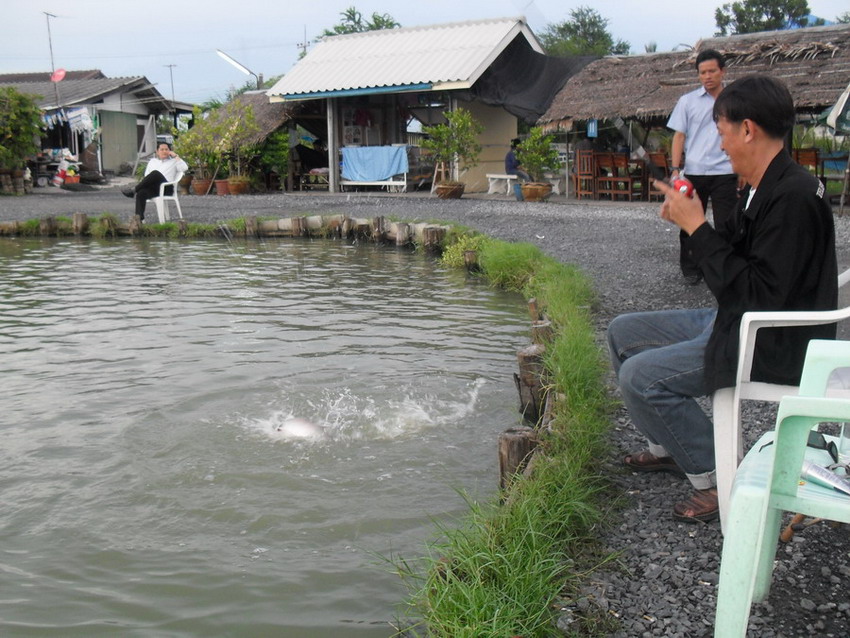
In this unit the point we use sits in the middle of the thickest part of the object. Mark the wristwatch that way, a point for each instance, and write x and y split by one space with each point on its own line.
675 168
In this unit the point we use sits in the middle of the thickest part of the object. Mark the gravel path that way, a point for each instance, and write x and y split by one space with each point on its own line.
664 583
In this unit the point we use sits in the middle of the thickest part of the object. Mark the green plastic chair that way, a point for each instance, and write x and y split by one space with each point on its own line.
768 482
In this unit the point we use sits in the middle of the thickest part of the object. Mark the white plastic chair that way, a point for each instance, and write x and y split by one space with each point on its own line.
767 485
726 403
161 201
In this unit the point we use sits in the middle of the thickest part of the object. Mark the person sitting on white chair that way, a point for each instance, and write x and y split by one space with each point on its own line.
161 169
775 252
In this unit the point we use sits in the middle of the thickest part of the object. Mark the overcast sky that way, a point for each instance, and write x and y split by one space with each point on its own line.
143 37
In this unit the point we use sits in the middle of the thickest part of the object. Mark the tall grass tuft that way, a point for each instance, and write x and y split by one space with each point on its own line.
498 571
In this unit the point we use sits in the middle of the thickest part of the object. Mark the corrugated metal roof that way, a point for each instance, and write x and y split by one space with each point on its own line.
441 56
91 91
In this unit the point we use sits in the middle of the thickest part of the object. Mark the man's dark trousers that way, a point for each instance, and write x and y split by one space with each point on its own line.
147 189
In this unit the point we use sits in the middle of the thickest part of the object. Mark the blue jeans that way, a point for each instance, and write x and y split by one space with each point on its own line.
658 358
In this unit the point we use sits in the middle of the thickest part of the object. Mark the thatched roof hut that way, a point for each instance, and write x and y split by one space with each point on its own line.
269 116
814 63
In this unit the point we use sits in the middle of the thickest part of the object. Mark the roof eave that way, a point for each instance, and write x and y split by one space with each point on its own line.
370 90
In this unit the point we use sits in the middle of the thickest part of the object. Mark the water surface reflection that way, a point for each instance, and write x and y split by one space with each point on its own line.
146 489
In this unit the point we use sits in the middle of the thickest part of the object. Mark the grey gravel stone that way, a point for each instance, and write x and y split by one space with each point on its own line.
664 582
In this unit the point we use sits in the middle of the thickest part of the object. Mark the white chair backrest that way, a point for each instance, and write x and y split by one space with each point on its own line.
726 404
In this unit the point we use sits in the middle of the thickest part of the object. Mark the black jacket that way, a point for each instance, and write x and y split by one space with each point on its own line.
778 254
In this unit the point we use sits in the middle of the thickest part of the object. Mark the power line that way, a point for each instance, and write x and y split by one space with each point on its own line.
283 45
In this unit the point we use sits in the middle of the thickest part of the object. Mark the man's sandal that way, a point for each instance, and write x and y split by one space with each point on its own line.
646 462
701 507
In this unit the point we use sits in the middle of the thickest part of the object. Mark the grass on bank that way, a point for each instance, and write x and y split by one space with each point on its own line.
499 571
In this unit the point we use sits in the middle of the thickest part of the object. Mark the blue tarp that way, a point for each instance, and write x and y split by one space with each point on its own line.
373 163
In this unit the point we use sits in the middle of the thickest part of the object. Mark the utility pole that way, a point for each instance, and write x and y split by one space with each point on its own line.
303 45
173 108
53 68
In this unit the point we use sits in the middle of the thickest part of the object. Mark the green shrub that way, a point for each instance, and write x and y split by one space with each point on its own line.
453 253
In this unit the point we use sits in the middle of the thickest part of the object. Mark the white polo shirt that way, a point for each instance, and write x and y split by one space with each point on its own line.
694 116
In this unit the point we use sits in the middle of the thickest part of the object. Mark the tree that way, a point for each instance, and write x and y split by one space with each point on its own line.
20 128
844 18
751 16
584 33
352 22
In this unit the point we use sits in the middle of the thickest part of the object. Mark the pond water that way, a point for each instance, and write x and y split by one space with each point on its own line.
146 488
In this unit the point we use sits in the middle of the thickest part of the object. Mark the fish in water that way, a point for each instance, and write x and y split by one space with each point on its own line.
298 428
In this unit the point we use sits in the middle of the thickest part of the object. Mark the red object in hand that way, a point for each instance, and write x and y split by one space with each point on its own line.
684 186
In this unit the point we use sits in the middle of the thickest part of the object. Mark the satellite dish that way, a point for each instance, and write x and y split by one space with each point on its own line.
58 75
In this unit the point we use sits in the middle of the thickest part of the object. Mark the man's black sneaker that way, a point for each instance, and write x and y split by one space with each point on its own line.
129 191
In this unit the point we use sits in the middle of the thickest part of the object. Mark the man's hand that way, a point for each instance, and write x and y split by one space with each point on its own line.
686 212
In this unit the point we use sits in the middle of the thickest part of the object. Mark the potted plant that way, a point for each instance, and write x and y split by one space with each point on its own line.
455 141
206 148
240 132
199 147
536 155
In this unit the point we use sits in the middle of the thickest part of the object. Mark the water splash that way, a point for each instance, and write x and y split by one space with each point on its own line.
343 415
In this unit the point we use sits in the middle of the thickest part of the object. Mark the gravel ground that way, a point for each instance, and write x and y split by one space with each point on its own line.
664 583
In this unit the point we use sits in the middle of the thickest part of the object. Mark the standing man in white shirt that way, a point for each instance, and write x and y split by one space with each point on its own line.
705 164
162 168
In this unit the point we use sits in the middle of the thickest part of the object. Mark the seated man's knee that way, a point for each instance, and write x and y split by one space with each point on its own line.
632 378
616 329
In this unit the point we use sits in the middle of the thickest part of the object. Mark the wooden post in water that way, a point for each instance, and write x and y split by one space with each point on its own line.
529 381
80 223
135 225
402 233
470 260
516 447
433 237
542 332
379 229
299 226
334 225
251 226
533 310
9 228
47 226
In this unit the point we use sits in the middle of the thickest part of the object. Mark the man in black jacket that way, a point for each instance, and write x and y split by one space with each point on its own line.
776 252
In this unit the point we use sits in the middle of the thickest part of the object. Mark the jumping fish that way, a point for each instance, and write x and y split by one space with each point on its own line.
298 428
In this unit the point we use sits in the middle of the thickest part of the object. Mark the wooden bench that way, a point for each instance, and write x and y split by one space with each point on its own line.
496 182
